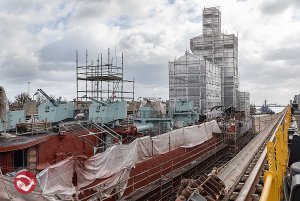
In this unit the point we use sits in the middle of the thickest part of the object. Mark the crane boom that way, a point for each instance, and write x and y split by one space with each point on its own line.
48 97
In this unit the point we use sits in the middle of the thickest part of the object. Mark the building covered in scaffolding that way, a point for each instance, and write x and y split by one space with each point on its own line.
195 79
222 50
218 50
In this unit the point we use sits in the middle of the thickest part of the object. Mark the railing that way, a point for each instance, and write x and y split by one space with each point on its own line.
81 129
277 154
155 173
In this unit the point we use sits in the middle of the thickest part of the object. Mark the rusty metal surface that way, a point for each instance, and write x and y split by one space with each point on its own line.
208 186
234 169
19 142
140 194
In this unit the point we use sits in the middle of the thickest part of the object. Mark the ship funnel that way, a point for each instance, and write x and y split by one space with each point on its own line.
3 106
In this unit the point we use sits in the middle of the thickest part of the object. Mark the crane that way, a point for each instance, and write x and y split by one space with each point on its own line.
54 102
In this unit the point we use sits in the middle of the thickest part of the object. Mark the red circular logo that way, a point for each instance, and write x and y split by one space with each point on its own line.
25 182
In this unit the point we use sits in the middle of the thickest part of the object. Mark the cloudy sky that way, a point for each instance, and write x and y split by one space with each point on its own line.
39 38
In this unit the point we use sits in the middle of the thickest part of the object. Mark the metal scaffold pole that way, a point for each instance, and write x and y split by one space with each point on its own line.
102 81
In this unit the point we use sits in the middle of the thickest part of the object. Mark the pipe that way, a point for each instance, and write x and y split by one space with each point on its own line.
144 127
97 101
267 188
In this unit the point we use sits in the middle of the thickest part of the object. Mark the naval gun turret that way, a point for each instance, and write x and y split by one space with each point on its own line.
184 113
151 117
53 110
107 111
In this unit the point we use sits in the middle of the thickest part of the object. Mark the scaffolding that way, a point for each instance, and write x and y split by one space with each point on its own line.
243 102
195 79
102 80
211 21
222 50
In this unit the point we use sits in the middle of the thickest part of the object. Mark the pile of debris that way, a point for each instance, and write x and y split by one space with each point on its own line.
207 187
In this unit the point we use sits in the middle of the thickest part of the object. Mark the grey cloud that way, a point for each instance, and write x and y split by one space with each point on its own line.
288 54
278 6
64 49
58 66
124 22
171 1
18 70
89 10
148 74
58 51
150 34
266 74
197 19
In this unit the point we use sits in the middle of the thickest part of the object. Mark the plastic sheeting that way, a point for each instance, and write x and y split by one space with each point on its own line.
160 144
247 125
56 180
262 121
7 187
104 165
118 182
195 79
145 148
196 135
112 166
176 138
120 157
156 104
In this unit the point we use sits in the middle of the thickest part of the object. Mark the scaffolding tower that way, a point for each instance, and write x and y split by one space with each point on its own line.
102 80
195 79
220 49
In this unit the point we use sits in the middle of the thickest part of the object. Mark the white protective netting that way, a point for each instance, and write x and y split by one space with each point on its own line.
112 166
195 79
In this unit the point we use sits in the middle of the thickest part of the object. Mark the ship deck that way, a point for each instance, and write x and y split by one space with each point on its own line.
15 142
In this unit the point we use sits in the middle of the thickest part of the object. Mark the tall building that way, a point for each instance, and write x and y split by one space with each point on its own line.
222 50
195 79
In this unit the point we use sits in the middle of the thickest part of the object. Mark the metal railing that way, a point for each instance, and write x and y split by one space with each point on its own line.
277 154
82 130
156 173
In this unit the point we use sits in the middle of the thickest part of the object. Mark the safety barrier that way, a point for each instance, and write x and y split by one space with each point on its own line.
277 155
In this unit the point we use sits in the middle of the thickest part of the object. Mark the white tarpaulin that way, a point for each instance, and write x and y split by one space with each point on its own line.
176 138
104 165
144 148
7 187
114 165
195 135
161 144
212 127
118 157
118 182
247 125
56 180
